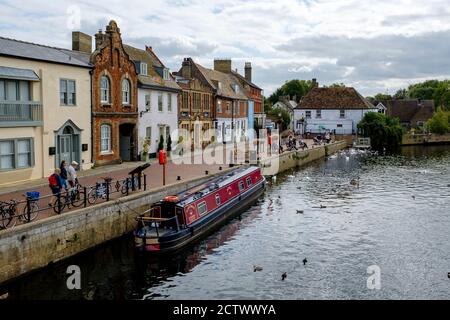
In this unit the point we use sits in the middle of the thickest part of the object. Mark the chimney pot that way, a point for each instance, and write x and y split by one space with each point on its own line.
248 71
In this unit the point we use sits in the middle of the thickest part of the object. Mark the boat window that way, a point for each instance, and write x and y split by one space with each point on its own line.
249 181
218 199
241 185
201 207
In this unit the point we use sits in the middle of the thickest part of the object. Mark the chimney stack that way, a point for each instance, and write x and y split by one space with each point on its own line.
186 68
81 42
222 65
248 71
98 39
315 84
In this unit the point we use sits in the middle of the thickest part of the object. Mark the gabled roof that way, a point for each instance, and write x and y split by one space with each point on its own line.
242 78
334 98
227 81
410 110
33 51
153 79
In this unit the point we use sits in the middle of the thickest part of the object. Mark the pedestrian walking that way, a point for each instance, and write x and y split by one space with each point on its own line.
72 174
63 174
55 184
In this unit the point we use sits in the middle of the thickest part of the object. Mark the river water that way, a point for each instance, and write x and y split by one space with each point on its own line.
397 219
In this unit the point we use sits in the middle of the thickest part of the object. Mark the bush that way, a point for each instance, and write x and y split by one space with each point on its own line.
439 123
161 143
383 131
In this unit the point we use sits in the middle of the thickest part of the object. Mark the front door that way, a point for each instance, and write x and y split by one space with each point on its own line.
125 148
65 148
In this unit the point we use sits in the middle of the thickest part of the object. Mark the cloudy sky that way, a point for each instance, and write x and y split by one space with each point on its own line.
375 46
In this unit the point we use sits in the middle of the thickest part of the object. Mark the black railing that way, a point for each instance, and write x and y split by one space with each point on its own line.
28 210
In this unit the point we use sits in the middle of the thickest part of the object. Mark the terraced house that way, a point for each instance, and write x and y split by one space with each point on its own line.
195 113
114 99
45 106
157 101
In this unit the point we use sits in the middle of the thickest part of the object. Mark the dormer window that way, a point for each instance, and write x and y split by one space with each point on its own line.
219 85
236 88
143 69
166 74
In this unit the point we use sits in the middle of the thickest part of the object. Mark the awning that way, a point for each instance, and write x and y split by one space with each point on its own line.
18 74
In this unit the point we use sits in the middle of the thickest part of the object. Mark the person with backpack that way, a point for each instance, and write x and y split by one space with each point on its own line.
55 183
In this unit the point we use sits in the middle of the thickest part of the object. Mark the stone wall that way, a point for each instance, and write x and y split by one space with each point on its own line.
410 139
288 160
32 246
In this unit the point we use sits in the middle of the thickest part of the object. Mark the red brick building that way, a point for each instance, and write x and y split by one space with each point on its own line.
114 99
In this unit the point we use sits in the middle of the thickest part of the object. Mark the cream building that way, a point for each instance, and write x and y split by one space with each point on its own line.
45 108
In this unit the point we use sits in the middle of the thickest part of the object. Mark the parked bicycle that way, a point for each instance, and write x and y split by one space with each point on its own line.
99 191
72 197
33 203
8 214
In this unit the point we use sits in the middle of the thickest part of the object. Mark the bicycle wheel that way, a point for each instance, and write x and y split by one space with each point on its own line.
92 196
63 204
7 219
76 199
34 211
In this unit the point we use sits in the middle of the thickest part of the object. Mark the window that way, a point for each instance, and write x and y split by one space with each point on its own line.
249 181
339 126
104 89
148 133
308 114
228 109
148 102
218 199
166 74
105 136
160 102
125 91
143 68
219 106
342 114
196 103
241 186
185 101
169 102
201 207
13 90
206 102
16 154
67 93
318 114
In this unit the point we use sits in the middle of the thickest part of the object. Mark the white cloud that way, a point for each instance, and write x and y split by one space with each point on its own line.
269 33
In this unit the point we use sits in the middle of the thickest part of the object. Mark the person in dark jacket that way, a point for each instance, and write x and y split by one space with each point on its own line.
63 174
55 184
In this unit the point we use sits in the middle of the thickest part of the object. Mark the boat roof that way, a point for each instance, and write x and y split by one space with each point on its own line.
210 186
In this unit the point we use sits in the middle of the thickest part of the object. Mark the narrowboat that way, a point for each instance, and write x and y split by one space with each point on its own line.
177 220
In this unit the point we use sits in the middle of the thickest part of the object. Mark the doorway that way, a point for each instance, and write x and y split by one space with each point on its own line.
68 144
126 141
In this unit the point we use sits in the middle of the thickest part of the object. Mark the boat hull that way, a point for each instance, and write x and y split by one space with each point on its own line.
177 240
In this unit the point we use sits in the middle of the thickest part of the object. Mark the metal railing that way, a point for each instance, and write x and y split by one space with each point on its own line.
28 210
20 112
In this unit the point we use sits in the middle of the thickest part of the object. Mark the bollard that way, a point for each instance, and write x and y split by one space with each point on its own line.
28 209
145 182
59 203
85 197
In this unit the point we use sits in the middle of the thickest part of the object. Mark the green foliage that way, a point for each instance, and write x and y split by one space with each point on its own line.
336 85
439 123
384 131
293 88
161 143
285 118
383 97
169 144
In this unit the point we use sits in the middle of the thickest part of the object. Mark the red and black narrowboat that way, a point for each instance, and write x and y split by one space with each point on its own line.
177 220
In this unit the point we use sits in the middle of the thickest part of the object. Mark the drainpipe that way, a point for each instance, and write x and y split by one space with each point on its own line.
92 119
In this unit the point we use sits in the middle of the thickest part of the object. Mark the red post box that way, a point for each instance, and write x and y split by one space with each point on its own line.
162 157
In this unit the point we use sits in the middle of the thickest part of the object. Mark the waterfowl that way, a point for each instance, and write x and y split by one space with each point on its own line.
256 268
299 211
414 197
305 261
322 206
283 276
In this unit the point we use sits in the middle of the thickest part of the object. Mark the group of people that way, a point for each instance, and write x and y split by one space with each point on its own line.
63 177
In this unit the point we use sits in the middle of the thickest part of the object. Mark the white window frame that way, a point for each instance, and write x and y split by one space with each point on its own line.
148 102
106 139
219 106
160 102
126 92
169 102
143 70
105 90
64 96
318 114
241 185
342 114
166 74
218 199
249 182
15 154
308 114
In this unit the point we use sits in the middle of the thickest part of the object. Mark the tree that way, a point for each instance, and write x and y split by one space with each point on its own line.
161 143
285 118
439 123
293 88
401 94
383 97
383 131
336 85
169 143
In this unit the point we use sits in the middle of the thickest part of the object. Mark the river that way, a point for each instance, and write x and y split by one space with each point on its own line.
397 219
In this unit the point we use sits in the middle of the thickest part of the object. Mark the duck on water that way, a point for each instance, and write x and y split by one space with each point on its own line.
177 220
